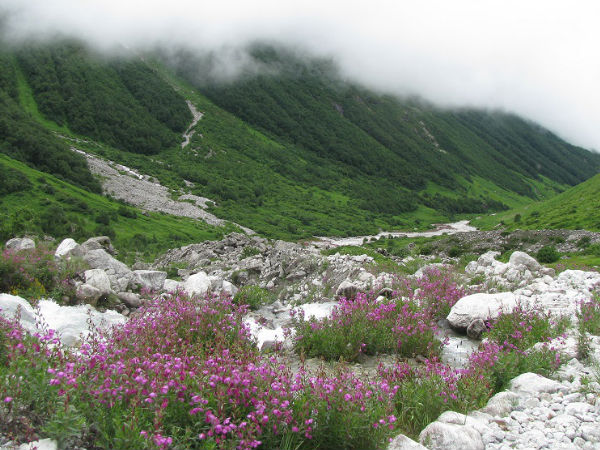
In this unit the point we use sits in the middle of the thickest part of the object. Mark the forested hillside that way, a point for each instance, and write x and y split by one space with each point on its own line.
291 150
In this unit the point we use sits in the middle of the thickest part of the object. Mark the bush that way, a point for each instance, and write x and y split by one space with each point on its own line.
365 326
249 251
254 297
454 252
35 273
547 254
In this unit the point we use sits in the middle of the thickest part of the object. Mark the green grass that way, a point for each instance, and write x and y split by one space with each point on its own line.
576 208
60 209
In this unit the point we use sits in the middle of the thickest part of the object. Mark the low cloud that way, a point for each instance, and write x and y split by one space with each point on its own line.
536 58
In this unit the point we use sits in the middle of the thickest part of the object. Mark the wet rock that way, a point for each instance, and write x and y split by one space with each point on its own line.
476 328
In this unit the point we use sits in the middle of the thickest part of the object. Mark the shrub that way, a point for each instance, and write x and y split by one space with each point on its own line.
364 326
249 251
254 297
35 273
547 254
522 328
517 218
455 252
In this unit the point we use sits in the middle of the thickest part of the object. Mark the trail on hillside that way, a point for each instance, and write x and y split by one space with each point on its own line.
187 136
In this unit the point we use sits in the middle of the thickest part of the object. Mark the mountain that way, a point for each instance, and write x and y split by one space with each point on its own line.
290 149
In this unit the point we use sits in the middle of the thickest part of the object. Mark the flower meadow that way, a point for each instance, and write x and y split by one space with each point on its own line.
185 373
404 324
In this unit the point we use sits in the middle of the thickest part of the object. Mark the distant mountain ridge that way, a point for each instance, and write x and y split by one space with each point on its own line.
291 151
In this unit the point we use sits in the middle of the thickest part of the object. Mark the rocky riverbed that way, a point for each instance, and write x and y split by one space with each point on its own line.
534 413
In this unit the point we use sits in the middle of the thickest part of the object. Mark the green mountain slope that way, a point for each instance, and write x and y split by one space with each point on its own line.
292 154
576 208
38 203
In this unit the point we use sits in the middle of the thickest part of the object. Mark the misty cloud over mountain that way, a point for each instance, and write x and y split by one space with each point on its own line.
537 59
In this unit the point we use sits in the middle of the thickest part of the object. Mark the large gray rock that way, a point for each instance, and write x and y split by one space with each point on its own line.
66 248
151 280
119 274
522 258
42 444
450 436
223 286
480 306
197 284
402 442
98 279
9 304
18 244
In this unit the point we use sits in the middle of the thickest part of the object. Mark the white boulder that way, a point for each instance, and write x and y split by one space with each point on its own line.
19 244
534 384
480 306
449 436
402 442
9 304
66 248
98 279
152 280
522 258
197 284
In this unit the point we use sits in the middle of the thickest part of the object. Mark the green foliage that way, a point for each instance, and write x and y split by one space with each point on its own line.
512 364
547 254
249 251
62 210
22 138
35 273
122 104
254 297
12 181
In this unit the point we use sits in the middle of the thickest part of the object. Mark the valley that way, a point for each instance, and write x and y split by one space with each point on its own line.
285 260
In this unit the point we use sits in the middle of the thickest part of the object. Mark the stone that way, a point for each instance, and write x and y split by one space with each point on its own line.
402 442
449 436
66 248
476 329
480 306
88 294
171 285
533 384
18 244
346 289
501 403
119 274
98 279
130 299
197 284
522 258
98 243
9 304
151 280
387 293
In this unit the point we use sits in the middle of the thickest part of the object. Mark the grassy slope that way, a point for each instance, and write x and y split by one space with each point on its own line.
285 190
51 205
576 208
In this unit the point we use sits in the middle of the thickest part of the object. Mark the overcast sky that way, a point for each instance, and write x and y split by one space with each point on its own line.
537 58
